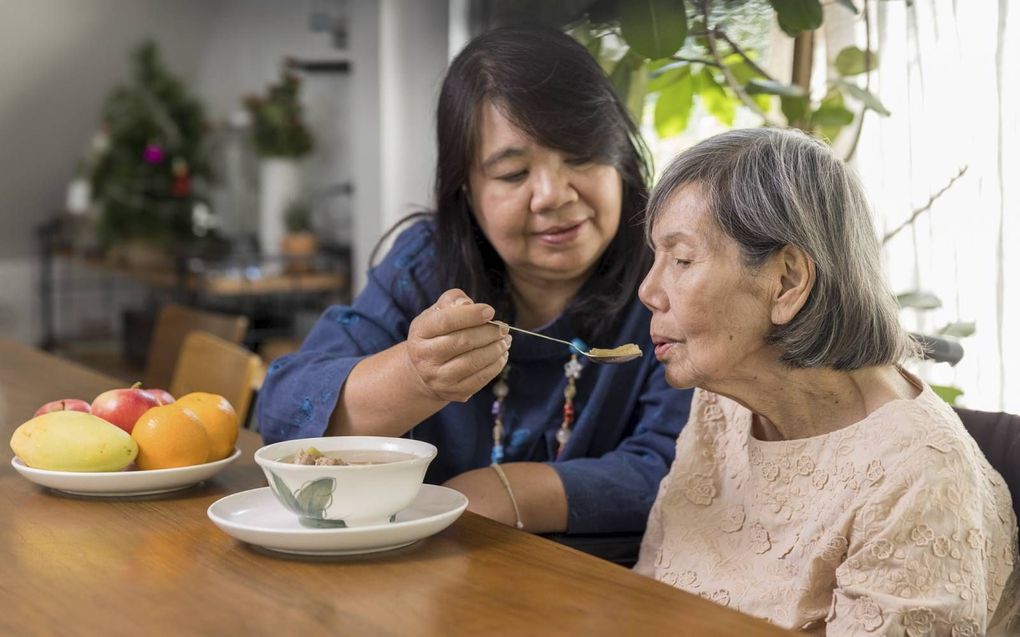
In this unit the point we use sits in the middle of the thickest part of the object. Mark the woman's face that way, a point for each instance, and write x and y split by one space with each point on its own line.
710 314
550 216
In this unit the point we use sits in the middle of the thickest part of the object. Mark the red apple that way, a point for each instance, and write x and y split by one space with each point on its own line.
67 404
123 407
162 396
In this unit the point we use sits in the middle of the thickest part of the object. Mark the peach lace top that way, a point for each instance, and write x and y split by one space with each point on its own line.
894 525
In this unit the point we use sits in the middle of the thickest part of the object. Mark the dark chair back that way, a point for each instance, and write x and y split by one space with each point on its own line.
998 435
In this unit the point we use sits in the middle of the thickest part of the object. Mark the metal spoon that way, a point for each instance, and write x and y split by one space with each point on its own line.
621 354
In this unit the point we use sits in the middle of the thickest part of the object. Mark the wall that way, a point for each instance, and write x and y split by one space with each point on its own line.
399 49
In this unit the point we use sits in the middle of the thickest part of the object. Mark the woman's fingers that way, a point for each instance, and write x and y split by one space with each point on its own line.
461 378
451 318
453 349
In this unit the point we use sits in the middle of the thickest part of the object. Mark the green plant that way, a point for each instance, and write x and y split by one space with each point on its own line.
277 120
674 53
298 217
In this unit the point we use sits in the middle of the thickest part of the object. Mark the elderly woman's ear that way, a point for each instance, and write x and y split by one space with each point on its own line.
793 276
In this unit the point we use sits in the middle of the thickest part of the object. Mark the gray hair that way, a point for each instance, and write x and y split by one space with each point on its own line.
769 188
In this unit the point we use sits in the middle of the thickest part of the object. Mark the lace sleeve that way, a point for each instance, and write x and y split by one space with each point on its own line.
930 553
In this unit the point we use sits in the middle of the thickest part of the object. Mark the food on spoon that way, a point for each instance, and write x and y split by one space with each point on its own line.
630 349
67 404
73 441
123 407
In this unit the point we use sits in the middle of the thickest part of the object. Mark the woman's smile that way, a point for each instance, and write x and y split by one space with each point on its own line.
561 235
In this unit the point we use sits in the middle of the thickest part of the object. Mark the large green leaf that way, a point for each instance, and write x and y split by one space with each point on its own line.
947 393
654 28
757 86
797 15
865 97
832 115
630 79
715 98
959 329
919 300
666 75
794 108
854 61
673 108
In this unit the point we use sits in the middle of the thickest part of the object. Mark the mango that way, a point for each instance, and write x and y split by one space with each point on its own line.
73 441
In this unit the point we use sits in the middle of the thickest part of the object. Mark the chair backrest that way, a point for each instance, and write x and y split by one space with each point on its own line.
211 364
173 324
998 436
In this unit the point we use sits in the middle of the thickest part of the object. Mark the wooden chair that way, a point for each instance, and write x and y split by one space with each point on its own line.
211 364
173 324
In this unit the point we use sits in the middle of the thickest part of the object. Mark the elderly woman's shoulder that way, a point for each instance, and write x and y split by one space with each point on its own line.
926 442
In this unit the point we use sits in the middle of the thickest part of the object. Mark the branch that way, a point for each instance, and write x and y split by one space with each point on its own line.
917 213
739 51
867 81
733 84
680 58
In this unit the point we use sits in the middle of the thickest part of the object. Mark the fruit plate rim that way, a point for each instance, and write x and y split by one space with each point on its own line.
119 483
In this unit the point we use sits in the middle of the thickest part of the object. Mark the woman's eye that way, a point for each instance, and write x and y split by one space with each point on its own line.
516 176
683 263
579 161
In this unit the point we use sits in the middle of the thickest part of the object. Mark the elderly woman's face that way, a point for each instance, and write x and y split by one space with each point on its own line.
549 216
709 313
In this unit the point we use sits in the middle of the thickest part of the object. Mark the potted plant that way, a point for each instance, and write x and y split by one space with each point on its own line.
300 244
281 140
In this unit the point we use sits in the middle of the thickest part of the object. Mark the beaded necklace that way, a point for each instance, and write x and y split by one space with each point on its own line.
500 389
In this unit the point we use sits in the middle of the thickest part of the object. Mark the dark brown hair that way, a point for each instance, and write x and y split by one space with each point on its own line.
550 88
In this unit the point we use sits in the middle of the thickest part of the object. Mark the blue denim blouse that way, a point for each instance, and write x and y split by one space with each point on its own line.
626 417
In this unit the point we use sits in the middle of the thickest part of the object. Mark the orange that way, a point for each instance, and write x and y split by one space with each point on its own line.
219 418
170 436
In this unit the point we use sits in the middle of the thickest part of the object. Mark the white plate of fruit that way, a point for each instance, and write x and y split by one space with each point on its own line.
127 442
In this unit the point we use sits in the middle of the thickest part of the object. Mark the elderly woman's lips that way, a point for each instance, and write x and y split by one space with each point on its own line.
662 348
560 235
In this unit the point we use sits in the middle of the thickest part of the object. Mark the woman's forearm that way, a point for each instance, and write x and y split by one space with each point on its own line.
382 396
536 487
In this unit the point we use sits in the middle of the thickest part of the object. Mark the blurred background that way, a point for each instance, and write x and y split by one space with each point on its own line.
243 157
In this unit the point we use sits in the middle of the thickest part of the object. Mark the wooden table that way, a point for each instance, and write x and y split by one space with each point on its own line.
76 566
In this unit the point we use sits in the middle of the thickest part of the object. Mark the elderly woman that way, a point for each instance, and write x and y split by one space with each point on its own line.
817 484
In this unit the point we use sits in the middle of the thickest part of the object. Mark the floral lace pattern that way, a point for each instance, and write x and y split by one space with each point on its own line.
893 525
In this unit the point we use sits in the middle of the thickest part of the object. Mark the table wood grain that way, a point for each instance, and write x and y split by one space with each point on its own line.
81 566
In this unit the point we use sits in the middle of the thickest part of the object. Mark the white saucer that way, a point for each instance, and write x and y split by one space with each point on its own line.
123 483
256 517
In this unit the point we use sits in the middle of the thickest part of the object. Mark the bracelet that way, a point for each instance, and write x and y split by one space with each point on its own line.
506 485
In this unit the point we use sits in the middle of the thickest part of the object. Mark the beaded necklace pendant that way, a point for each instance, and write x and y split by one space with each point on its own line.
501 389
572 371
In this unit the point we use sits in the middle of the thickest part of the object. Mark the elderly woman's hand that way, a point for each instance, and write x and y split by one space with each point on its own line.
452 348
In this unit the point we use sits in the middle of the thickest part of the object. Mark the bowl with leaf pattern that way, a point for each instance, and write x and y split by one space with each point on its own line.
345 481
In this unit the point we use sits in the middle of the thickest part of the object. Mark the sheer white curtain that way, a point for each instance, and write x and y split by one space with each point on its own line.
950 74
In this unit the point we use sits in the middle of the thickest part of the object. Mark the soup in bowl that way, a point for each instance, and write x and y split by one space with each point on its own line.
339 481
